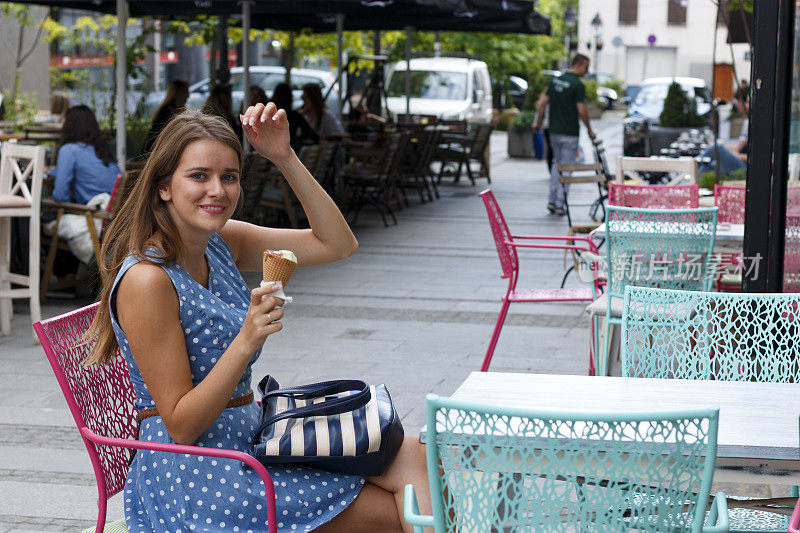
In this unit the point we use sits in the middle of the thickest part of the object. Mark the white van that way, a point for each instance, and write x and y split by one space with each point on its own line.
447 87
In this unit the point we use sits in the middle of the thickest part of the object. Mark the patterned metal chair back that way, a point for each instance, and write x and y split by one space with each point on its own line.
730 202
711 335
100 397
504 469
654 196
791 254
668 248
509 261
793 199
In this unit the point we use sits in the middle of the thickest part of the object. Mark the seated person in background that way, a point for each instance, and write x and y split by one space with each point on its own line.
316 112
59 104
257 96
300 132
174 102
85 169
733 156
85 166
220 104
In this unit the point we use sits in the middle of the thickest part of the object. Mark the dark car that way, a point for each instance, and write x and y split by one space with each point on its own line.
642 136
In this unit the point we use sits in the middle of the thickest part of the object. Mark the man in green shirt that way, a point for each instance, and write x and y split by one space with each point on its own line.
566 97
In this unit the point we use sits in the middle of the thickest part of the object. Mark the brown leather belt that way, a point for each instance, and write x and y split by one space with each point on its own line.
234 402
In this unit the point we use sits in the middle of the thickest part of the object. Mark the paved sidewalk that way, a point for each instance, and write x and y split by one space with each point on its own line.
413 308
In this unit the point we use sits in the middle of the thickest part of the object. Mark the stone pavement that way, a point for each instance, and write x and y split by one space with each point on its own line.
414 308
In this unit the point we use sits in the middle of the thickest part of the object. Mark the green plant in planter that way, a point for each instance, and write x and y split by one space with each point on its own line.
523 121
590 87
679 111
708 179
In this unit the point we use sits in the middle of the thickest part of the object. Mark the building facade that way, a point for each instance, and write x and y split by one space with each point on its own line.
641 39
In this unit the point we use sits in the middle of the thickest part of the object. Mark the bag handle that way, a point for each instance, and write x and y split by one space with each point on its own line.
323 388
328 407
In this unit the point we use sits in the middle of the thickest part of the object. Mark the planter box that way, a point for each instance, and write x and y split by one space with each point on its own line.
520 144
595 111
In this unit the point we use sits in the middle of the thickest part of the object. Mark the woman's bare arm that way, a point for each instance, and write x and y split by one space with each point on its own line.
148 311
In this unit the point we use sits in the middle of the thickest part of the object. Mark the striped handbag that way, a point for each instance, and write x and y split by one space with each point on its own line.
346 426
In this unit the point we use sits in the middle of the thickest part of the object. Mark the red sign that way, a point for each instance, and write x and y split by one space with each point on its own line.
168 57
81 61
232 57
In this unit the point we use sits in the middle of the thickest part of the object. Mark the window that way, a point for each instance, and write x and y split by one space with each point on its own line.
628 11
676 12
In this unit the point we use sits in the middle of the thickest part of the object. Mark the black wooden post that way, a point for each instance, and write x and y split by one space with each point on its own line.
770 93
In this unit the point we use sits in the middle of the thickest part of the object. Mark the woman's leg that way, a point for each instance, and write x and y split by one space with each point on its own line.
374 509
409 466
379 505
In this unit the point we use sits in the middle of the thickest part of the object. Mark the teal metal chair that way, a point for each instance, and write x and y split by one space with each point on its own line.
494 468
712 335
668 248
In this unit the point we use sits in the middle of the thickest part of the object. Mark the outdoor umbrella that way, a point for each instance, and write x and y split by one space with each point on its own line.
517 16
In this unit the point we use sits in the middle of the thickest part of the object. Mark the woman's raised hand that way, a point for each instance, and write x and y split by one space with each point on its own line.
262 318
267 130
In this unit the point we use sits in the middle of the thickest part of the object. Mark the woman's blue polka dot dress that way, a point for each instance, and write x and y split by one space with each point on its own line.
176 492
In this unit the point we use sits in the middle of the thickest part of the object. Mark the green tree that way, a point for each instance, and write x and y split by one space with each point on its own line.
21 13
680 110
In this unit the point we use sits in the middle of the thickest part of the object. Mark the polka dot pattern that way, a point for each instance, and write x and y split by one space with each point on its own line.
167 492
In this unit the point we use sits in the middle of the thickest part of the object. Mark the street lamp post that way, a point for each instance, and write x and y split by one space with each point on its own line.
596 23
570 19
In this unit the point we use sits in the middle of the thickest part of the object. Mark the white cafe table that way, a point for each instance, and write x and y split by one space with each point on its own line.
757 439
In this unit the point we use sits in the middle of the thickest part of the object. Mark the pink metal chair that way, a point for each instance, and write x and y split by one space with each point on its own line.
101 400
509 262
654 196
730 203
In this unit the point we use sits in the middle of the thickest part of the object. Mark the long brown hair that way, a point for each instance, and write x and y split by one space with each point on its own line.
80 126
144 214
174 89
315 104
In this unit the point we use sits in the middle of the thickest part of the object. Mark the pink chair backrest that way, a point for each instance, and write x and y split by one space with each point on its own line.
793 200
508 255
791 254
100 397
654 196
730 203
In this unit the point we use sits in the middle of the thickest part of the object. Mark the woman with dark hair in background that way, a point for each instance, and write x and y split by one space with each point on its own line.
220 104
85 169
317 114
257 96
85 166
174 102
299 130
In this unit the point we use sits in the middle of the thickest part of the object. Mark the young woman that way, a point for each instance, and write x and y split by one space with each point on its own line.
300 132
173 103
257 95
85 165
316 112
220 103
175 303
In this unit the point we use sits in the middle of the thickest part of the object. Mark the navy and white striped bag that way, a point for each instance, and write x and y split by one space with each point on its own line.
346 426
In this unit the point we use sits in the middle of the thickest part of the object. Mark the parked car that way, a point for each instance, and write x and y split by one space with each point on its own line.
266 77
448 87
607 96
642 135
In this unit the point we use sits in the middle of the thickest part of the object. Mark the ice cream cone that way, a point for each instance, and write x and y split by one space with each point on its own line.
279 265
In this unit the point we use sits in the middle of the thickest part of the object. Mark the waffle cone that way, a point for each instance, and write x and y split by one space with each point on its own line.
277 268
